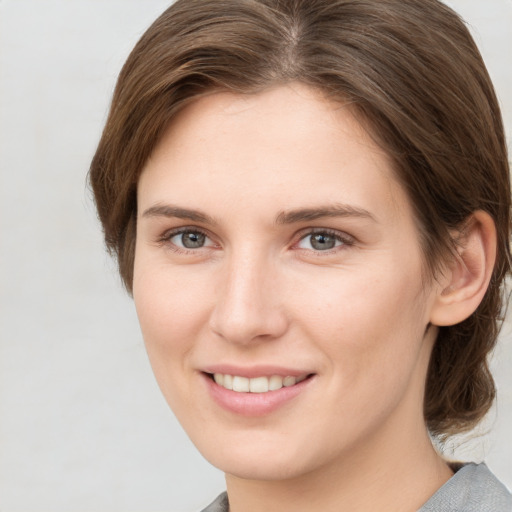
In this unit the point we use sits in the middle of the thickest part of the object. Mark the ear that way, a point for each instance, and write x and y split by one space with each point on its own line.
466 277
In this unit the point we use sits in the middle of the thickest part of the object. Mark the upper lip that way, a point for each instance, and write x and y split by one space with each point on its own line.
255 371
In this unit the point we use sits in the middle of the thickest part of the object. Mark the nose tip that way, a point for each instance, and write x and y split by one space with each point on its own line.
248 327
248 307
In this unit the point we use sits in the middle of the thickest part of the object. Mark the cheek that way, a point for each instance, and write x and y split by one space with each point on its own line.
371 326
172 312
359 301
168 300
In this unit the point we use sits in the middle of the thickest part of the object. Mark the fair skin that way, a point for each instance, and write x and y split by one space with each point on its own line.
273 241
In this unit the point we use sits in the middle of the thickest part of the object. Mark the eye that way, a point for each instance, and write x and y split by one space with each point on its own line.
323 241
188 239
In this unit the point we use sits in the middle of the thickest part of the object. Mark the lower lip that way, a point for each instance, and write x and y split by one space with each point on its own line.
254 404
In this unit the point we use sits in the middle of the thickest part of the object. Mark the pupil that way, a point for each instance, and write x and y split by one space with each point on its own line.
322 242
192 240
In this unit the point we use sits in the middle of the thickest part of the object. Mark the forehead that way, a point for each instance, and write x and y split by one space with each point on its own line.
289 142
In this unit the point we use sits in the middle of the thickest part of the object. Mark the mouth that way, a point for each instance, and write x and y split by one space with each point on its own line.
261 384
258 391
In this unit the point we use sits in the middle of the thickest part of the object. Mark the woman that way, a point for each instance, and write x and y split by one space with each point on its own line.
310 202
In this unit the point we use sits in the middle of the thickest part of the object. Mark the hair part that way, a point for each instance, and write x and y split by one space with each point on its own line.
416 81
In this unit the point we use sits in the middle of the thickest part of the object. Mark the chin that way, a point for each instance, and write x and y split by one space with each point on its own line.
259 460
256 469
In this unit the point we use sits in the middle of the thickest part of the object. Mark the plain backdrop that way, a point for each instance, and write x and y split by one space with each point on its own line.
83 426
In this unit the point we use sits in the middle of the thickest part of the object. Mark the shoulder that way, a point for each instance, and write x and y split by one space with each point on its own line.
221 504
473 488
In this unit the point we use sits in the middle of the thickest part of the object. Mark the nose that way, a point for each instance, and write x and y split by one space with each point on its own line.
249 304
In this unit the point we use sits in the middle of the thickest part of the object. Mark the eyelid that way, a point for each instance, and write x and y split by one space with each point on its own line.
164 239
342 236
167 235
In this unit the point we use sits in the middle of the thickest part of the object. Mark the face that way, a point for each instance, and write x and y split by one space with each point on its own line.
278 284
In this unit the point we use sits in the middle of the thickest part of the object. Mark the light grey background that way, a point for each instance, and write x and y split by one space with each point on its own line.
82 424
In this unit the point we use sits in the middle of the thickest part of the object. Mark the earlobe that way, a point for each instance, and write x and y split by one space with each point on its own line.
467 276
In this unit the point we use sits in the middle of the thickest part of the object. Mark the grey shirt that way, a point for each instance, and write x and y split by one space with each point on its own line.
473 488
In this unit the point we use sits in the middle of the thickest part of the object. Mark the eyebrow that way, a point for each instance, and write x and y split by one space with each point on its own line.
284 217
164 210
337 210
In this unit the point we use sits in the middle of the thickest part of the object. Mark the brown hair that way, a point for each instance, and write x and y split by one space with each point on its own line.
413 75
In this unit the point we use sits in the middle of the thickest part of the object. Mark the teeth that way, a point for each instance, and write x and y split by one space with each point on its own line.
289 381
228 382
241 384
275 382
256 384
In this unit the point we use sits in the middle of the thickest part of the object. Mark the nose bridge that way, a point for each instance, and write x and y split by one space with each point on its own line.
248 305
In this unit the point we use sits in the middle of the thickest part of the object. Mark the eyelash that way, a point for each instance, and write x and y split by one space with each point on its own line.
165 239
345 239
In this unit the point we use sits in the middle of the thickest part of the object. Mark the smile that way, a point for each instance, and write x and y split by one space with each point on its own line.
261 384
258 391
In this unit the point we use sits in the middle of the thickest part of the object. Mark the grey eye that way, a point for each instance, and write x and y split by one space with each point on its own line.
319 242
189 240
192 240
